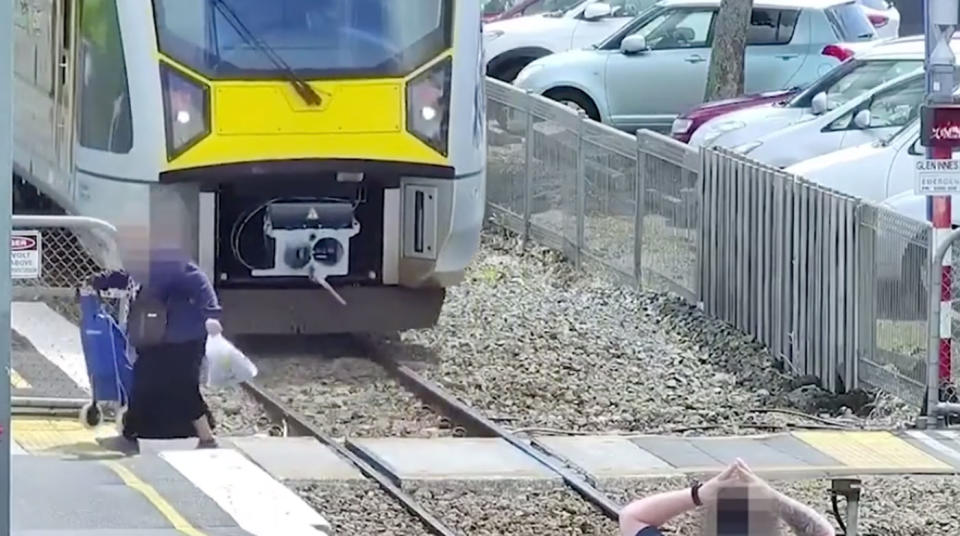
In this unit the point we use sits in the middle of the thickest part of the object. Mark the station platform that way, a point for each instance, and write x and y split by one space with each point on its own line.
68 480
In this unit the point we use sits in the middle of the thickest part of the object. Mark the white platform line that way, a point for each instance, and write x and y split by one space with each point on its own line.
55 337
254 499
932 443
17 450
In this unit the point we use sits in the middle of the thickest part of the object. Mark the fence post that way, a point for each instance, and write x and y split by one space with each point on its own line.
528 169
640 199
581 186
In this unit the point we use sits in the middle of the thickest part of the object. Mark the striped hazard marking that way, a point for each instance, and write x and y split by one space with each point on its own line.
872 450
17 381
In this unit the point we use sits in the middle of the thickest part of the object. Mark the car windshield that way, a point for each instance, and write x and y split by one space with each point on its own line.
316 38
852 79
496 7
911 129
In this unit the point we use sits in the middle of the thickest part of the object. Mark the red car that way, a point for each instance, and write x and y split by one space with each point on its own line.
685 124
507 9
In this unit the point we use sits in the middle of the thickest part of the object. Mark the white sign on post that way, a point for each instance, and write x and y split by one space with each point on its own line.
937 177
25 257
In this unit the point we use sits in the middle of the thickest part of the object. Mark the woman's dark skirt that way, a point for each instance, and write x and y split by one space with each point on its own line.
166 392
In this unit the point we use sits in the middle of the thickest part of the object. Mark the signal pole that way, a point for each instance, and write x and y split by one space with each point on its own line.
6 186
940 22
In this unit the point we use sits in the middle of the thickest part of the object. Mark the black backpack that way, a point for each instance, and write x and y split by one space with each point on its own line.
147 321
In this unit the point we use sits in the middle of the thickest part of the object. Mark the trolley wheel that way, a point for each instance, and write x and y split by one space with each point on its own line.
90 415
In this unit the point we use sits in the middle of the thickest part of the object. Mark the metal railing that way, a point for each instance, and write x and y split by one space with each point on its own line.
943 362
832 285
54 255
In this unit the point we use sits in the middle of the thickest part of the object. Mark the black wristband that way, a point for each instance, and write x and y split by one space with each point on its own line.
695 493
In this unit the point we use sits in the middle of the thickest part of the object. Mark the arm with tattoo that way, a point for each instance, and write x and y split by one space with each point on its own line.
804 521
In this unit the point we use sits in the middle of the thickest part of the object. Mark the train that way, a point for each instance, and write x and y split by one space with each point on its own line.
323 161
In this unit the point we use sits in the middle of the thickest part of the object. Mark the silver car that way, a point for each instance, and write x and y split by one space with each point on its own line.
656 66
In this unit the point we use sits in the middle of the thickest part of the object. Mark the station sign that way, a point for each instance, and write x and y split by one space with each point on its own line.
25 255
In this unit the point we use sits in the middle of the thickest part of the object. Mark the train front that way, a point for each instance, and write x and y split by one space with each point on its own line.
337 151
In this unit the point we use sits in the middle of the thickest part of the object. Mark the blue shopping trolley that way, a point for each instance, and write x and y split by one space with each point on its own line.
108 355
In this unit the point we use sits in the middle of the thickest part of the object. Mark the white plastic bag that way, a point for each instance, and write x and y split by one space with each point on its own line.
224 365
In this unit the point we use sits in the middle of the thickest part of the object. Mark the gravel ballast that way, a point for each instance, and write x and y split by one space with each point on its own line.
531 341
513 509
329 381
359 507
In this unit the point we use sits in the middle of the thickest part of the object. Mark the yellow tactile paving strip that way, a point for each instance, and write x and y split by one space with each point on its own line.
39 435
872 450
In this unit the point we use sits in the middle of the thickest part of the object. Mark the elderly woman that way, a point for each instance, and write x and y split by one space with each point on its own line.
736 503
166 401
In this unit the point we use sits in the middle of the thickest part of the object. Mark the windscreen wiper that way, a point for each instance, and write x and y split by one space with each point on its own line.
303 89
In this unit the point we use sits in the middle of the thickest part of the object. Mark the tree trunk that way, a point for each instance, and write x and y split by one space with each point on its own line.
725 78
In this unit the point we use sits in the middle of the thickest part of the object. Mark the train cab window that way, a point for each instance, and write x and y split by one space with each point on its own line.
249 39
105 121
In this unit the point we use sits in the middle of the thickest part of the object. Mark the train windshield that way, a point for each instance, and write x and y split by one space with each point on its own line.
243 39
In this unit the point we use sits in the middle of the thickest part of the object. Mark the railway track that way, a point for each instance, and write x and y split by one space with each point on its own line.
461 420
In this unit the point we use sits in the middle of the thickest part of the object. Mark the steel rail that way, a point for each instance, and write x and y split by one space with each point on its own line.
481 426
303 426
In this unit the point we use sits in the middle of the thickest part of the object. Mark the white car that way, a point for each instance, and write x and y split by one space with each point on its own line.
656 67
874 115
866 70
884 16
873 171
513 43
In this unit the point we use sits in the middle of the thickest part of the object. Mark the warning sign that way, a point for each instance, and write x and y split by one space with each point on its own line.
25 254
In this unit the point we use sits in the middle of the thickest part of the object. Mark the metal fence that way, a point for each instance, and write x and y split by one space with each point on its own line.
52 256
832 285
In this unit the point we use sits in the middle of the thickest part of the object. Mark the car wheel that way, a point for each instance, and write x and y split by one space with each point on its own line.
509 71
575 99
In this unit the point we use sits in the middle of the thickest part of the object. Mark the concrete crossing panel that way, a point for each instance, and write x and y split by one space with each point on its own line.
451 458
296 458
678 452
756 453
604 457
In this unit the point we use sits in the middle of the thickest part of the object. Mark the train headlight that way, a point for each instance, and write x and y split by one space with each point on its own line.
428 105
186 111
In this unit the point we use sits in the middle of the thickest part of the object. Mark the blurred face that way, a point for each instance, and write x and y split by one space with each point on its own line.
742 511
145 249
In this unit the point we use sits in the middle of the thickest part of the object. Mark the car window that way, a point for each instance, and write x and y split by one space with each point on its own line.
549 6
863 76
894 107
629 8
850 22
772 26
678 28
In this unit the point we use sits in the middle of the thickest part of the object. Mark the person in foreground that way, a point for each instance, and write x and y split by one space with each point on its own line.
736 503
166 401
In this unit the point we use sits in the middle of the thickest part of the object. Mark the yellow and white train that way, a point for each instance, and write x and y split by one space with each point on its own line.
324 160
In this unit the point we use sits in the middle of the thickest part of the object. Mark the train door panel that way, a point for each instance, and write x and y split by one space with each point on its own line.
64 82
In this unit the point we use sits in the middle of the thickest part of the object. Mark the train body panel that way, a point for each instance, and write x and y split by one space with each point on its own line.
373 192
